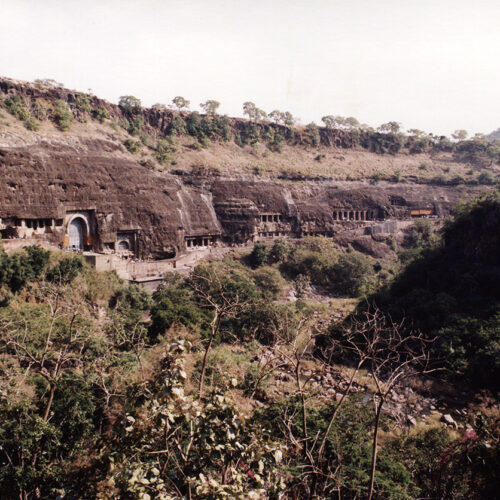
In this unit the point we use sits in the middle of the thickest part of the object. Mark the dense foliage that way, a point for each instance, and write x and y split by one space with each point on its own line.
451 292
215 387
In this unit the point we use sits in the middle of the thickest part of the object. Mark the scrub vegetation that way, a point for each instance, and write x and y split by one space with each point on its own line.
271 144
247 379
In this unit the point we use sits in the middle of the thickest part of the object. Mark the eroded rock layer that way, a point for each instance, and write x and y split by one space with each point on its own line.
51 180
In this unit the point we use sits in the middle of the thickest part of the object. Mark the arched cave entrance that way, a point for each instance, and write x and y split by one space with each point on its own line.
123 246
77 232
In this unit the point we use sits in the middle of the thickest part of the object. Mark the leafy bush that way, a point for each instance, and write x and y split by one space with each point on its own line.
82 102
66 270
22 267
269 281
347 452
486 178
451 292
132 146
32 124
259 255
164 150
129 104
62 115
135 125
101 114
16 106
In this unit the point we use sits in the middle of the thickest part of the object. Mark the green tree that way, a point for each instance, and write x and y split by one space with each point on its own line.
130 104
460 135
210 107
313 133
390 127
82 102
351 274
253 112
180 103
164 150
280 250
177 445
159 107
269 281
276 116
331 121
259 255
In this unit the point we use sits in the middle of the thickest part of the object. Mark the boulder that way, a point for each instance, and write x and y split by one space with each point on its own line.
448 420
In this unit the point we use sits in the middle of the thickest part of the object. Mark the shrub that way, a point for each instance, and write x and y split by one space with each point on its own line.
279 251
66 270
132 146
129 104
16 107
101 114
135 125
164 150
23 267
177 126
351 274
62 115
269 281
313 133
301 285
32 124
259 255
486 178
82 102
39 110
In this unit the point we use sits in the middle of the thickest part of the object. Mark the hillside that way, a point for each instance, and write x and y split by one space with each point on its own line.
217 385
159 182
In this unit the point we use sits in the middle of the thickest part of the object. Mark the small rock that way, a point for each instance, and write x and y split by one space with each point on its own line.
448 419
411 421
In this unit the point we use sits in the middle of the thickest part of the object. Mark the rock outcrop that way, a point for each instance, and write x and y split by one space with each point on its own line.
83 186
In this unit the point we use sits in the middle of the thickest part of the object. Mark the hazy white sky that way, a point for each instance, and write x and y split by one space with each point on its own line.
430 64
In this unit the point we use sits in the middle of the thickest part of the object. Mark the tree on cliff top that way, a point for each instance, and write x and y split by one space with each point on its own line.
390 127
254 113
210 107
180 103
331 121
283 117
460 135
129 103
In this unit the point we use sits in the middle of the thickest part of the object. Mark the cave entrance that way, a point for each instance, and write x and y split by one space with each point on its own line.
123 246
77 233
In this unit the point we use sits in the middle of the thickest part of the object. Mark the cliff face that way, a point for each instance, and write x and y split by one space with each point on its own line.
48 181
48 178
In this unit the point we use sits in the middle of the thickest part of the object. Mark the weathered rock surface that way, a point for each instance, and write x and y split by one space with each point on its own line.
46 177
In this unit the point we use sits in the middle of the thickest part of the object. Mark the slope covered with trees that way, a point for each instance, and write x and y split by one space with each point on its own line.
215 386
452 293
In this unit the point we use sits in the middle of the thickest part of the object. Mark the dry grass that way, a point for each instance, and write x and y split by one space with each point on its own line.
231 159
340 164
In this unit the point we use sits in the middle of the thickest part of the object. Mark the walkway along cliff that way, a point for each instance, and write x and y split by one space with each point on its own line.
81 190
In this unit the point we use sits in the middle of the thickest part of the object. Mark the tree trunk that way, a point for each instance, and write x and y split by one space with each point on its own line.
49 403
215 329
378 411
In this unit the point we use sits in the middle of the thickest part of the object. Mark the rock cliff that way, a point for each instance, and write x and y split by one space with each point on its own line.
48 177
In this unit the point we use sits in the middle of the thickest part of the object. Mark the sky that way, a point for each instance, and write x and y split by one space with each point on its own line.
432 65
